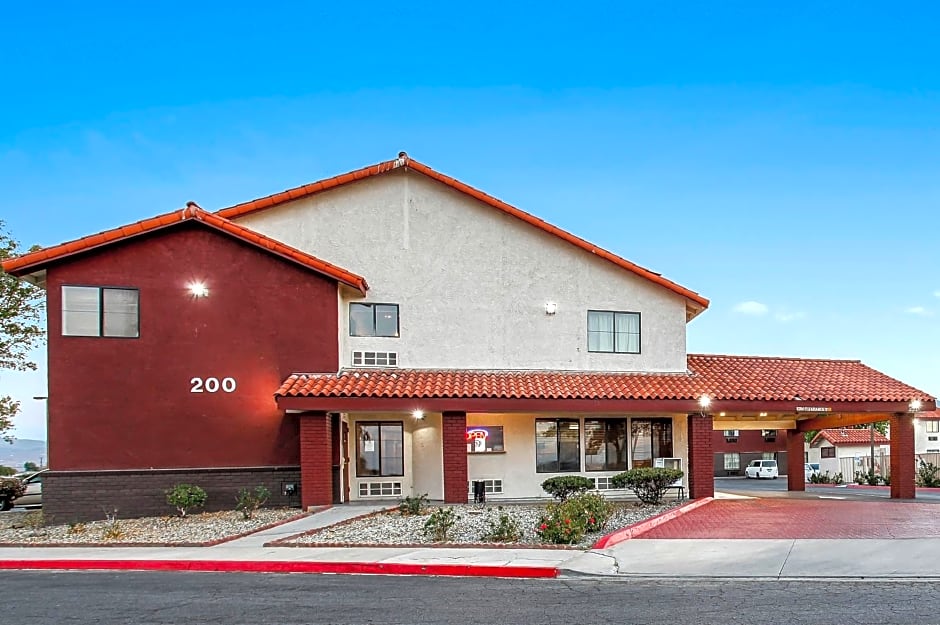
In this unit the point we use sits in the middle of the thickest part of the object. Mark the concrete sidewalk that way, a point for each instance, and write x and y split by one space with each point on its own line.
673 558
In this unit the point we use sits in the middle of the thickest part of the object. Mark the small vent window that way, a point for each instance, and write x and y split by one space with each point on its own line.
603 483
493 487
379 489
374 359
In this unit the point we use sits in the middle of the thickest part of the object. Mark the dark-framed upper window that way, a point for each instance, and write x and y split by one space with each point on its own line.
557 445
100 311
373 319
827 452
613 332
380 449
605 445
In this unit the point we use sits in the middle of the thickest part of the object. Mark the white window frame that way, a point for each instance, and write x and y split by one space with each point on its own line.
100 310
732 461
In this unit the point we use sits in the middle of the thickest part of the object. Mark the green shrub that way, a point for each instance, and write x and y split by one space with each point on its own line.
440 523
413 505
10 489
251 500
886 479
506 530
648 484
561 488
597 510
184 497
566 522
927 474
826 478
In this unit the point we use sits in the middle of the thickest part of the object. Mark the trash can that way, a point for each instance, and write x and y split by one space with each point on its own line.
479 492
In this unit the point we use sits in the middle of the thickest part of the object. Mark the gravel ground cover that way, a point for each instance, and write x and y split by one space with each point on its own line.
393 528
26 528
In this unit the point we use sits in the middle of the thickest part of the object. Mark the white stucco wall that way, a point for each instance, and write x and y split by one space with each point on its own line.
922 442
471 282
515 467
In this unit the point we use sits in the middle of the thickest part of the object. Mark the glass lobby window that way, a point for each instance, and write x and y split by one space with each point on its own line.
484 438
380 449
649 438
557 445
605 444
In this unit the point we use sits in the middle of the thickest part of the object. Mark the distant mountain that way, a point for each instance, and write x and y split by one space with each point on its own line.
22 450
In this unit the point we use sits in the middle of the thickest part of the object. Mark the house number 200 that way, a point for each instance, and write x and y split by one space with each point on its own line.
212 385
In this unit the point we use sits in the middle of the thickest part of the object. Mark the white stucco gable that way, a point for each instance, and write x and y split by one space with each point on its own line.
472 282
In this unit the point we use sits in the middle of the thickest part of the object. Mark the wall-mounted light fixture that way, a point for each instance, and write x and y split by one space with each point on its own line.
704 401
418 414
198 289
551 308
915 405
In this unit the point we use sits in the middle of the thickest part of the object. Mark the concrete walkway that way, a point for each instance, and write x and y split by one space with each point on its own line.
732 558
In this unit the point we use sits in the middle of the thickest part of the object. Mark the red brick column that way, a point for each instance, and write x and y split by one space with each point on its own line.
454 444
701 457
316 459
796 469
902 457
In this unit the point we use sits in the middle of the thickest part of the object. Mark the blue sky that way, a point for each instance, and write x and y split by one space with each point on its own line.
781 160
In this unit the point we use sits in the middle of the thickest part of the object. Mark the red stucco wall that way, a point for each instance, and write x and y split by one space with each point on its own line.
118 403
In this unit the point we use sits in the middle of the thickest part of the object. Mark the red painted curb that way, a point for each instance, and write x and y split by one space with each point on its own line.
253 566
626 533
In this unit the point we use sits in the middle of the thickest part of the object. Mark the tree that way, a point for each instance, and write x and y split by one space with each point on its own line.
30 467
21 307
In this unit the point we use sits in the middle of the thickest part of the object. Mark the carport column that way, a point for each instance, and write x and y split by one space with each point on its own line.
902 456
796 471
701 457
454 449
316 458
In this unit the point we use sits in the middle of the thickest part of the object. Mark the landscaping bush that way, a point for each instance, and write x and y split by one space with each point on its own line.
440 523
506 530
566 522
826 478
648 484
251 500
413 505
561 488
927 474
184 497
10 489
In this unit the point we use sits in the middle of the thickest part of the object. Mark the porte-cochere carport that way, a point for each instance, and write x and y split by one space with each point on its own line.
717 392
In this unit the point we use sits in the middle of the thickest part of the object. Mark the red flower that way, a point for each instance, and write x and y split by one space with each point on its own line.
543 526
591 521
568 521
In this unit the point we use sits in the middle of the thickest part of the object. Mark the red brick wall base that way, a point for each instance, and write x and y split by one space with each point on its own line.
701 478
72 496
902 457
796 469
316 459
454 442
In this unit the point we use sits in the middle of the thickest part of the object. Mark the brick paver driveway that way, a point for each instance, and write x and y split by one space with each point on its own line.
803 518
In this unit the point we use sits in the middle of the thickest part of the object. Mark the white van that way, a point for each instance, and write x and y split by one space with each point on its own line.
762 468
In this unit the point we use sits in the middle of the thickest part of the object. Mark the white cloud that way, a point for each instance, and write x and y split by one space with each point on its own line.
936 293
786 317
919 310
751 308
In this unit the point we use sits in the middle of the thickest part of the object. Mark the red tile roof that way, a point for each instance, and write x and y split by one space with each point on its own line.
849 436
35 261
929 415
752 378
405 161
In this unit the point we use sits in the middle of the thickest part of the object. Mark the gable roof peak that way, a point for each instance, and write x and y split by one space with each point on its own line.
695 303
